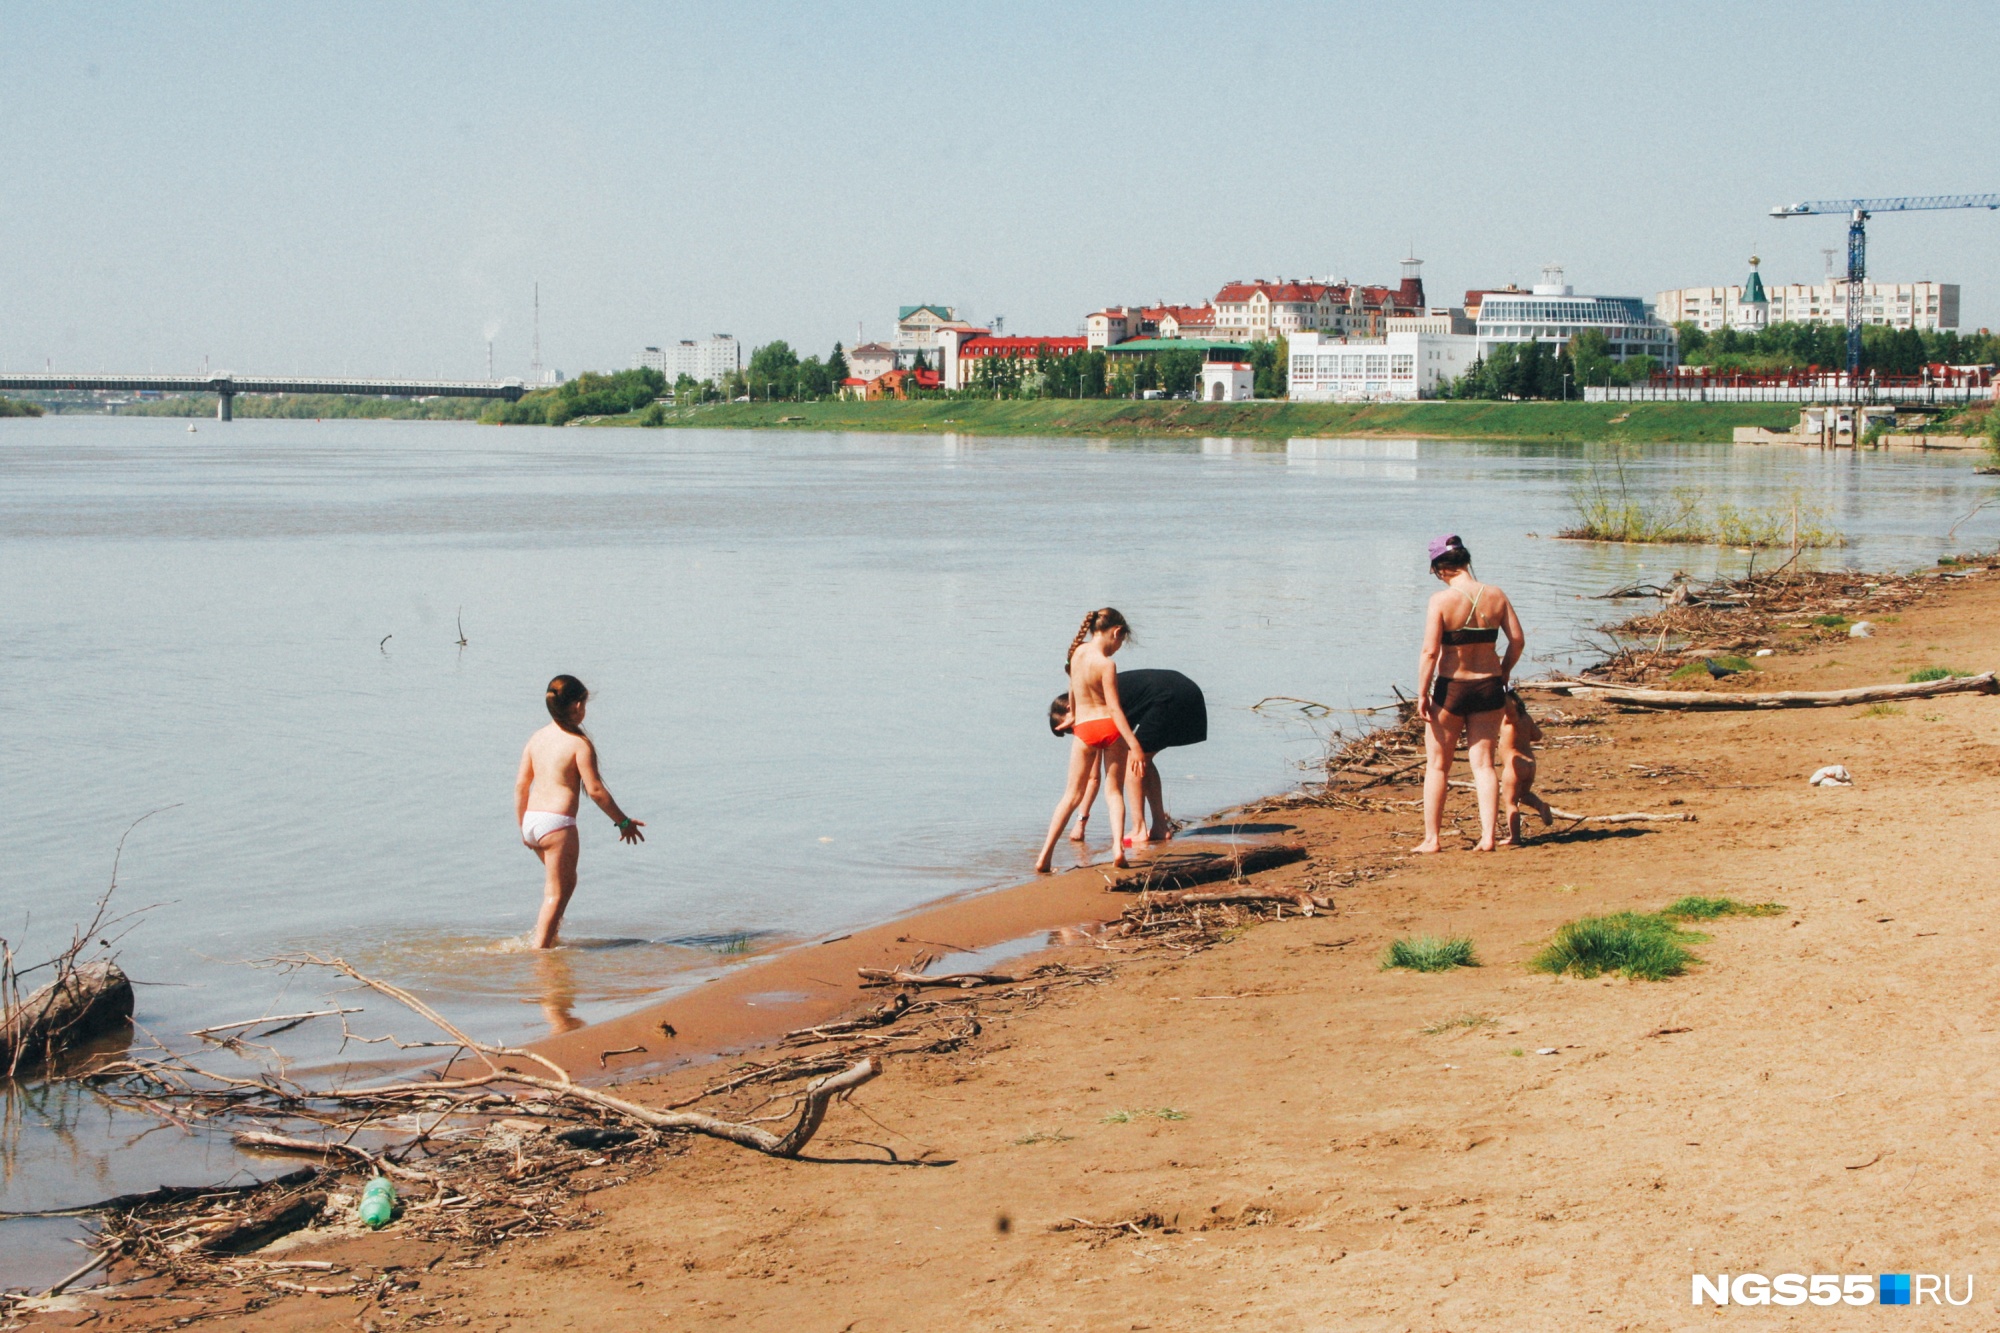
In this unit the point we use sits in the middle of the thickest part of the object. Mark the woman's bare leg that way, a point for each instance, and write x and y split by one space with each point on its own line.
1114 796
1149 807
1482 733
1082 767
1089 800
1143 791
1440 744
558 852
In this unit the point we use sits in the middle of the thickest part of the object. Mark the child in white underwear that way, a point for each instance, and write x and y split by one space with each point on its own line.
558 761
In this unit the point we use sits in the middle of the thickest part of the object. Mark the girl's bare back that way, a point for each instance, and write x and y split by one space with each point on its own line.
555 760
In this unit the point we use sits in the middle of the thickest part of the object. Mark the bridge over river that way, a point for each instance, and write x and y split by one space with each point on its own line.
226 387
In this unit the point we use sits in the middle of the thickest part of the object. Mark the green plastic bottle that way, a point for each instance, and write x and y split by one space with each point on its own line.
378 1200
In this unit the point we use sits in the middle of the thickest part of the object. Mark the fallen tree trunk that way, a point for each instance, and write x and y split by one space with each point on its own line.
1705 700
81 1003
1183 871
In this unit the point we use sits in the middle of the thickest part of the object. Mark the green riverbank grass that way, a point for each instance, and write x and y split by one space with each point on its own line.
1694 423
1644 945
1427 953
1696 908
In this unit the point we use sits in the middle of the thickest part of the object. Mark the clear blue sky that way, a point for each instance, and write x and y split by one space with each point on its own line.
373 188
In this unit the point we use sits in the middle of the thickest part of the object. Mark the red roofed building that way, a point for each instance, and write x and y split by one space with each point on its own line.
898 383
960 355
1260 311
1120 323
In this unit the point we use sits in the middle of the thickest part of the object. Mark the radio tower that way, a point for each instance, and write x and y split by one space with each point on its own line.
535 367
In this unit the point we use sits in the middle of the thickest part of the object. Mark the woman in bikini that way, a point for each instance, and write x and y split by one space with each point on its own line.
558 761
1100 728
1464 685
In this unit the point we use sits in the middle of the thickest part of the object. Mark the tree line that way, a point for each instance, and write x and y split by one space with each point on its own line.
775 372
1788 347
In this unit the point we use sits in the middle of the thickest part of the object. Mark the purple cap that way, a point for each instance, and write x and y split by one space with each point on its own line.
1439 545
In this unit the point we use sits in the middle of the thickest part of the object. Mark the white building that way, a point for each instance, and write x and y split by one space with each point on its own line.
1227 381
710 361
870 360
1554 313
1931 306
1405 364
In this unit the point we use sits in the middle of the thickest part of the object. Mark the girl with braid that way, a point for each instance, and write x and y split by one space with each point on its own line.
558 760
1101 728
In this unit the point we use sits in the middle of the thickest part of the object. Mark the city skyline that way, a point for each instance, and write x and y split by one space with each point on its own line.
370 190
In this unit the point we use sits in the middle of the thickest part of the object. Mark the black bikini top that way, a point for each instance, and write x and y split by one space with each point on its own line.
1468 633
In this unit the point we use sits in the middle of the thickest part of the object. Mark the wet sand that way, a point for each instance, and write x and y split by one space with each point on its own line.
1300 1139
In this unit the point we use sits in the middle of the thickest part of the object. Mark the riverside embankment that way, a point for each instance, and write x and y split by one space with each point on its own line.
1683 423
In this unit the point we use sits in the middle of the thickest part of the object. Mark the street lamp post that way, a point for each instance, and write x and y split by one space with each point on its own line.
1565 388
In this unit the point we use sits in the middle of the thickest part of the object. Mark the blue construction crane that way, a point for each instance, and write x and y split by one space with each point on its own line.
1857 211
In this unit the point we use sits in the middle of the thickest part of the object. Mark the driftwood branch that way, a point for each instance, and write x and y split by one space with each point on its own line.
257 1138
287 1020
899 976
1704 700
267 1224
1184 871
1306 903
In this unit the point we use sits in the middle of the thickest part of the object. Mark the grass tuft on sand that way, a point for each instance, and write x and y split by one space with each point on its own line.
1428 953
1696 908
1444 1025
1643 945
1935 673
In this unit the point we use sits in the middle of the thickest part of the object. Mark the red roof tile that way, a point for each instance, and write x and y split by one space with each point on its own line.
1023 347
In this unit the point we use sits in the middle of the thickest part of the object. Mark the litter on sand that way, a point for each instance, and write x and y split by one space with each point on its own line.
1765 652
1861 629
1545 1050
1833 775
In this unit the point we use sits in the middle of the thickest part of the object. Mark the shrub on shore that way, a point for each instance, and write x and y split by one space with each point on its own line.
13 407
1429 953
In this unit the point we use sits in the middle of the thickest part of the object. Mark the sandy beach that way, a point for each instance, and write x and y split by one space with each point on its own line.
1276 1132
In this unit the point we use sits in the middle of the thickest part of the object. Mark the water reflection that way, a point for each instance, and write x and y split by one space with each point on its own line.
1393 460
555 984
